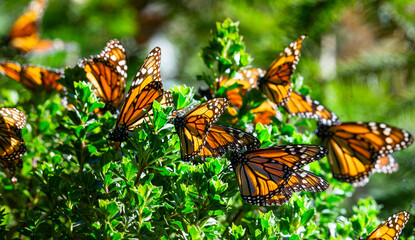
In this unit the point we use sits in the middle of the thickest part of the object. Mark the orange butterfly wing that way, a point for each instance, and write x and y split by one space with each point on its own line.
301 180
108 73
220 139
12 146
32 77
391 228
305 107
354 148
265 172
193 126
145 88
276 83
24 33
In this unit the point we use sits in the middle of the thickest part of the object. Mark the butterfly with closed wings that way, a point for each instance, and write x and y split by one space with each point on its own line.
107 72
269 176
12 145
138 104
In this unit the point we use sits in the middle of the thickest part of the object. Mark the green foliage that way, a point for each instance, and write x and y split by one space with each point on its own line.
76 184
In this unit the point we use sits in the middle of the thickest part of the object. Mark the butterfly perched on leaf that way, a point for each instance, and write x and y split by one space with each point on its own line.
12 146
33 77
358 149
24 33
137 106
193 124
107 72
269 176
221 139
275 83
391 228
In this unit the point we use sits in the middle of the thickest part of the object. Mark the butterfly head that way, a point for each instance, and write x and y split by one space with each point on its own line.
120 134
179 122
323 131
237 157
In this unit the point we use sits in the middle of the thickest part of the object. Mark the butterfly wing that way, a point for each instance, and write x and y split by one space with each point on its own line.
245 80
33 77
24 33
145 88
305 107
386 164
264 173
220 139
276 83
301 180
391 228
264 112
12 146
193 126
11 69
107 72
354 148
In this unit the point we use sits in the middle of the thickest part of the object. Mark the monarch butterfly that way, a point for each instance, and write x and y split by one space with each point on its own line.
220 139
391 228
107 72
145 88
193 124
24 33
268 176
32 77
295 104
276 83
12 146
358 149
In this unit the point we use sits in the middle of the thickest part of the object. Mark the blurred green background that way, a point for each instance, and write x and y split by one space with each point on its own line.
358 59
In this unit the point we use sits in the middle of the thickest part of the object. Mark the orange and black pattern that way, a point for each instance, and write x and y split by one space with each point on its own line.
138 104
24 33
33 77
391 228
305 107
358 149
276 83
107 72
193 126
300 180
268 176
221 139
12 146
